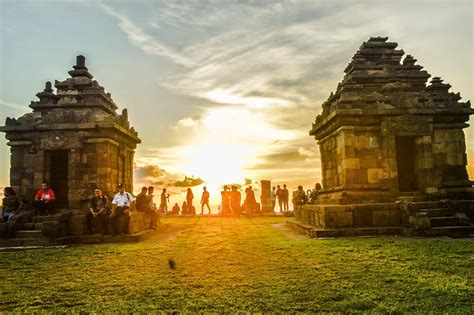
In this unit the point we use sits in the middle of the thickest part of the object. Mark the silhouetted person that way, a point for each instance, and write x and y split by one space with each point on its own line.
189 198
121 210
279 196
250 201
286 197
44 199
153 211
273 197
144 203
97 211
225 194
164 198
235 199
175 209
184 208
10 203
205 200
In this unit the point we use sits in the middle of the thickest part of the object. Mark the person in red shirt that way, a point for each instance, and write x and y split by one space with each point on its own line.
44 200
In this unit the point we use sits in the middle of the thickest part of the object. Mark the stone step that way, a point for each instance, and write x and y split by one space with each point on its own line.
43 218
444 221
430 204
436 212
451 231
29 234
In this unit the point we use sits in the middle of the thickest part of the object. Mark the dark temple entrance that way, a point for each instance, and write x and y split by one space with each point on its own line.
405 147
58 175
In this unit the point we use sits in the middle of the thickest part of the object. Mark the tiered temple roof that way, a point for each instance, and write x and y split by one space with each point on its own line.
378 82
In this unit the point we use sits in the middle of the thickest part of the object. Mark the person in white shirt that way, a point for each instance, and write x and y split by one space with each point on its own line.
120 215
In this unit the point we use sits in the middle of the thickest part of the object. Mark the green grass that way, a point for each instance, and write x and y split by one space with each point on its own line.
229 265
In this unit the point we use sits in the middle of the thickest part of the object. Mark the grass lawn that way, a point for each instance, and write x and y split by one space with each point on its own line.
229 265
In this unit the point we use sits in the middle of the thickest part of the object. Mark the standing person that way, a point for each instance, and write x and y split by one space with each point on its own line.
152 210
286 197
205 200
97 211
250 201
225 194
189 198
235 198
273 197
121 210
279 196
44 199
164 201
10 203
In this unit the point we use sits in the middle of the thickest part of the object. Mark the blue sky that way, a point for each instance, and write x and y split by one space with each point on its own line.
206 74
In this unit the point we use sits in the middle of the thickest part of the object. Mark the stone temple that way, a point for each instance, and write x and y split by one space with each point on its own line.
393 151
75 140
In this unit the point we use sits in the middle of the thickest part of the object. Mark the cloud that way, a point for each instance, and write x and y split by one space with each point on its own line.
142 39
186 122
13 105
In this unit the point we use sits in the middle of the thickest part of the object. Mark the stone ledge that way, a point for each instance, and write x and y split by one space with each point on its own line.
345 232
82 239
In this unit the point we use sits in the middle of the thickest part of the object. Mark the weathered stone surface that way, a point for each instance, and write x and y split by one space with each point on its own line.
80 118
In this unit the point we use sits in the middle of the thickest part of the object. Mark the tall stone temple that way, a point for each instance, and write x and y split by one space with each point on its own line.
388 142
74 139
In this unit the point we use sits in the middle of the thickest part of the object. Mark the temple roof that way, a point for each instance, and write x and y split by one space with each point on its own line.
377 80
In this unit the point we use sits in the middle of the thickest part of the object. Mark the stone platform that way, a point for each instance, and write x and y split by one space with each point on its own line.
408 217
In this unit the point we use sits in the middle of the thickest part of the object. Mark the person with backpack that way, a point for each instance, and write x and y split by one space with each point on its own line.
120 215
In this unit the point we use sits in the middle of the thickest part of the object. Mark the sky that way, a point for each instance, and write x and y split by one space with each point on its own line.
222 90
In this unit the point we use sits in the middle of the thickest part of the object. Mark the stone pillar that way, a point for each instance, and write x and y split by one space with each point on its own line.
266 197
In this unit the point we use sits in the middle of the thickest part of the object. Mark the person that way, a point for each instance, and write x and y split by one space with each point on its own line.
152 210
189 198
44 199
279 196
250 201
98 205
235 198
299 197
121 210
286 197
314 193
11 203
225 194
144 203
164 201
184 208
273 197
175 209
205 200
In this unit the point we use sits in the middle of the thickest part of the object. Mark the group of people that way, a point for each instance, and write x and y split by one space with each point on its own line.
43 202
231 203
187 208
281 195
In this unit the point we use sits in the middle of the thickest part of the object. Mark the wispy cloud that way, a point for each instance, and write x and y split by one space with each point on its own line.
13 105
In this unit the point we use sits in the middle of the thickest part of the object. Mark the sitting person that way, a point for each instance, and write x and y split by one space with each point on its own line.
97 211
44 200
175 209
299 197
184 208
121 210
144 203
11 204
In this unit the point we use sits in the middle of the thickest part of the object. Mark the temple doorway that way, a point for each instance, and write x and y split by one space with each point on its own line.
405 148
58 167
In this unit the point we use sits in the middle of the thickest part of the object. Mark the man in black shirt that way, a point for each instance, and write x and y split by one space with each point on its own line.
97 211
